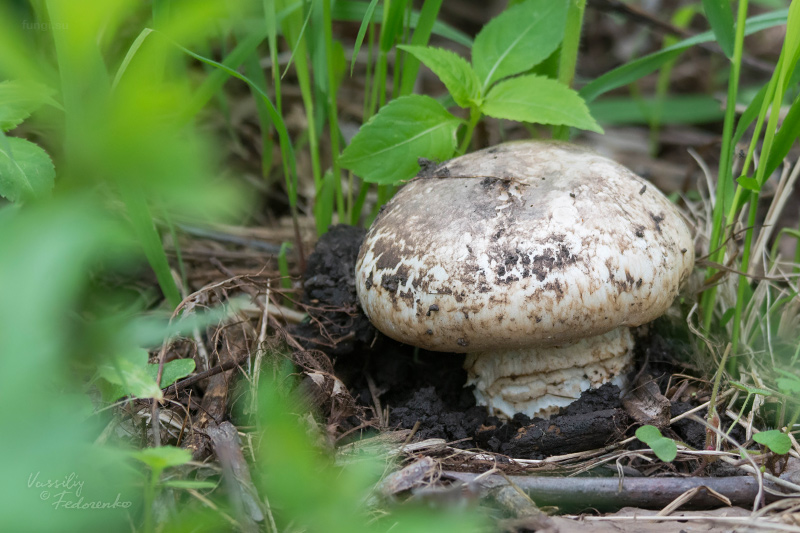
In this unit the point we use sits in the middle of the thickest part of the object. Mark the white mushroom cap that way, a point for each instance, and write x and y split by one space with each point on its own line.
528 244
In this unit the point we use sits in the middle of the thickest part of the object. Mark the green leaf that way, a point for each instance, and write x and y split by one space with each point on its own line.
173 371
387 147
454 71
643 66
790 385
540 100
129 371
664 448
748 389
392 24
727 316
648 433
775 440
162 457
518 39
26 171
19 99
784 139
751 184
720 16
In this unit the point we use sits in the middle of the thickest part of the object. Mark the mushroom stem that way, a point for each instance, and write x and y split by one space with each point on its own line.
538 381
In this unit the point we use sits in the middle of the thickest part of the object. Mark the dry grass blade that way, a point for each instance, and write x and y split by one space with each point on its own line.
688 496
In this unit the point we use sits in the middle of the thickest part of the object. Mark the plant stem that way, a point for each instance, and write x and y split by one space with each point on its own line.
427 17
743 284
712 403
725 177
474 117
569 54
149 498
333 119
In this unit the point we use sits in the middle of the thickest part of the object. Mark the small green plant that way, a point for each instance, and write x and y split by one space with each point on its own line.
129 374
498 83
776 440
751 392
664 448
158 460
307 489
26 171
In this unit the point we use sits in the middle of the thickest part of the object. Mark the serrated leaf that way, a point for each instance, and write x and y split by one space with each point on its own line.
540 100
720 17
518 39
776 440
454 71
129 371
26 172
162 457
387 147
19 99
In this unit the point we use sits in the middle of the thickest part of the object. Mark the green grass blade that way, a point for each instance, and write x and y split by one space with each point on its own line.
324 202
568 57
422 34
724 185
362 31
643 66
142 222
283 265
217 79
253 70
300 37
683 109
750 114
287 152
353 11
293 26
392 26
785 138
720 17
333 108
137 43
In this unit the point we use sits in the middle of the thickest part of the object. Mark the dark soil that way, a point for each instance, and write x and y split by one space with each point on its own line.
428 387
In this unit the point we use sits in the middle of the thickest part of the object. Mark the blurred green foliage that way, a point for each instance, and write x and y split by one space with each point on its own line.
110 103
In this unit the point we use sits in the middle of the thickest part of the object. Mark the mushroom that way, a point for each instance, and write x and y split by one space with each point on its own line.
533 258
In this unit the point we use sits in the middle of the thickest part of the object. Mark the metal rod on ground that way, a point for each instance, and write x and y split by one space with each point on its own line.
604 494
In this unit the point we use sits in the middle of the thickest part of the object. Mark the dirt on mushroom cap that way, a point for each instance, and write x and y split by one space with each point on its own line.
536 242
